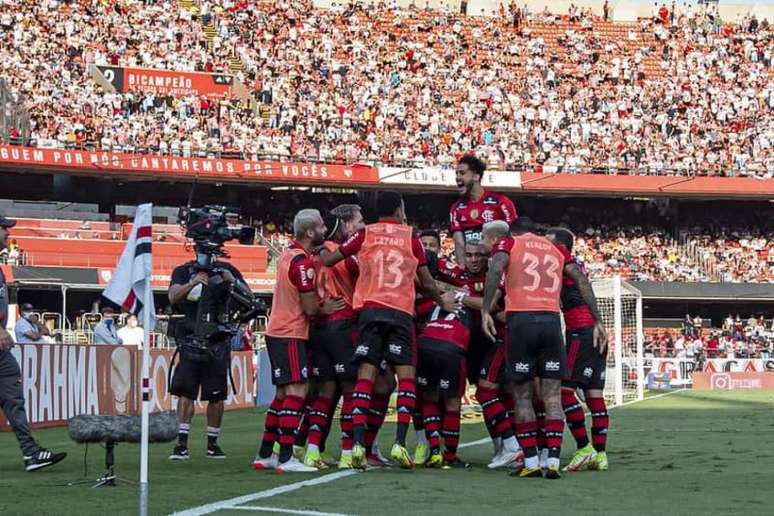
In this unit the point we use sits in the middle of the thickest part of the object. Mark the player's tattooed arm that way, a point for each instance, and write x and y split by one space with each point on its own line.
430 288
459 248
497 266
330 258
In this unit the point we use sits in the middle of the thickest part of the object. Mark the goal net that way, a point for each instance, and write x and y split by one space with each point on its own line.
621 307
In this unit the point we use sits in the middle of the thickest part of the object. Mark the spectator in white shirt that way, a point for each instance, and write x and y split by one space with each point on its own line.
132 334
27 329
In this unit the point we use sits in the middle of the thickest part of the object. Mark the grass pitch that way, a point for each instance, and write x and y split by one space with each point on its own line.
687 453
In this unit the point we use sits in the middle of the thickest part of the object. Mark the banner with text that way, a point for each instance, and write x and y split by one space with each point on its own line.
441 177
156 166
167 82
681 370
733 381
61 381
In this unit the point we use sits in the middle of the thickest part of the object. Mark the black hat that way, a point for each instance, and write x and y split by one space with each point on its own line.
6 223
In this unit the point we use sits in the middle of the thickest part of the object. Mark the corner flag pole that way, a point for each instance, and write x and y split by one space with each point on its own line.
147 304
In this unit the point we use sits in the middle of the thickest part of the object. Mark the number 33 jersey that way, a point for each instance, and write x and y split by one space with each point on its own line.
389 255
533 277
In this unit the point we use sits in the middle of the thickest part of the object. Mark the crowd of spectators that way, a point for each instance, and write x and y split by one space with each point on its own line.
736 338
683 93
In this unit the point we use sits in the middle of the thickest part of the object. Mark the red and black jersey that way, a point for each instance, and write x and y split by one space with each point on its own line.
473 284
469 216
577 313
449 327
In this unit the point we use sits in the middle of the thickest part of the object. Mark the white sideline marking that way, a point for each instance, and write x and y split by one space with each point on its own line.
268 493
287 511
233 502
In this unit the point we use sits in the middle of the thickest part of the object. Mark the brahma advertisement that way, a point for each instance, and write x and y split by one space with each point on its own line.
59 382
167 82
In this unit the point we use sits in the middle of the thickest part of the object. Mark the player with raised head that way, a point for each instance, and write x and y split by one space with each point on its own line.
390 257
586 341
287 333
535 345
332 342
476 205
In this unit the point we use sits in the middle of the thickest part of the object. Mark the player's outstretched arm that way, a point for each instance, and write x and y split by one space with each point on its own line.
430 288
459 248
311 305
330 258
497 266
587 293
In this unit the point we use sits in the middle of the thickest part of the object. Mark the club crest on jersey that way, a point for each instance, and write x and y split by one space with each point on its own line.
478 286
444 384
304 372
588 372
310 273
487 215
473 214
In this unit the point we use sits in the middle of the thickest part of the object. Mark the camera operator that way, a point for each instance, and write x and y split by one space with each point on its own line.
200 367
11 393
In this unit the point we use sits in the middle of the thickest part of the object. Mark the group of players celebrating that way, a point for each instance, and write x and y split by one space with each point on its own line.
361 311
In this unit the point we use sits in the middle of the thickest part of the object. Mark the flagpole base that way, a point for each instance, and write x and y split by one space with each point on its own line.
143 499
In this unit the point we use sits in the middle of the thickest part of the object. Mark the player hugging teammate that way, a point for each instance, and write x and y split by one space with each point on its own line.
357 306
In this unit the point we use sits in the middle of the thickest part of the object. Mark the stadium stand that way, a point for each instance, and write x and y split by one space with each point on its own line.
690 94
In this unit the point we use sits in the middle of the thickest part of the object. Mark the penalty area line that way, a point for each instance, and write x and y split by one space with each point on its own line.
256 508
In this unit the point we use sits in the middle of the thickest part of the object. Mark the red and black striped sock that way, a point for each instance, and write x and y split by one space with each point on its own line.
576 420
599 422
431 414
361 401
495 413
540 417
271 428
418 418
302 432
329 419
407 397
377 411
318 420
554 430
506 399
289 419
346 422
526 434
451 434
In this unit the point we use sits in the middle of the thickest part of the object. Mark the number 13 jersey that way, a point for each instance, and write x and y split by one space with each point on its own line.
389 255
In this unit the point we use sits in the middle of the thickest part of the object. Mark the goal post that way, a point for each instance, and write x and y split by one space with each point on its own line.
620 304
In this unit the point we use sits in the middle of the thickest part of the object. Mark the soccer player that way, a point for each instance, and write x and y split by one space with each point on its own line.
331 342
431 241
476 206
493 381
586 341
390 257
535 346
287 334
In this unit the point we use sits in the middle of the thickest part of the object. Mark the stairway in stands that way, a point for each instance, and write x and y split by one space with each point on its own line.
235 64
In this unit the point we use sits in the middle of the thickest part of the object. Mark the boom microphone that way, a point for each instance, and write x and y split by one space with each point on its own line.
162 428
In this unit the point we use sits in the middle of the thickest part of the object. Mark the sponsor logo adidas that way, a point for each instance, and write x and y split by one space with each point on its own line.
521 367
395 349
588 372
552 366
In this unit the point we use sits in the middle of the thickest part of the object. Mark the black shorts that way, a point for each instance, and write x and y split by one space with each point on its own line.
535 346
332 345
585 365
385 335
441 365
289 360
494 367
479 349
202 374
